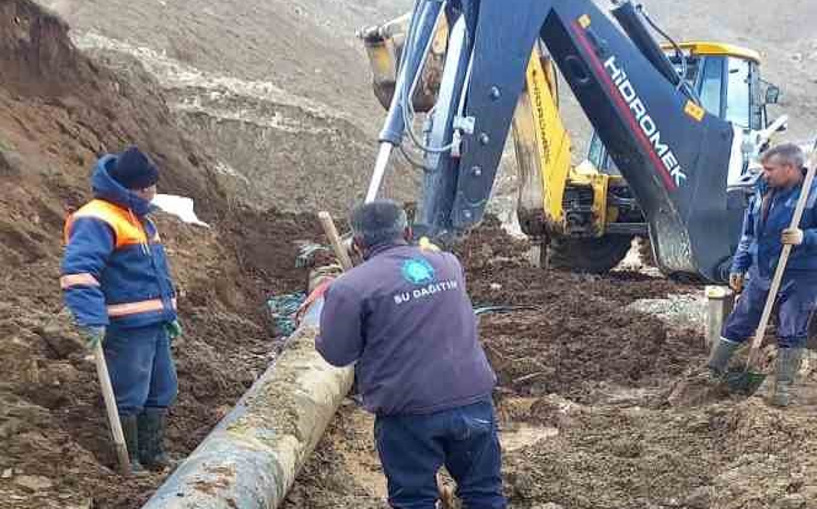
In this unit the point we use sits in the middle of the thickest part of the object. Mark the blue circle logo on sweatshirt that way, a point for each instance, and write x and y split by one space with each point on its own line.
418 271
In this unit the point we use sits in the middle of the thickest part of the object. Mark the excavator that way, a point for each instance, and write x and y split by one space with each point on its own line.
678 127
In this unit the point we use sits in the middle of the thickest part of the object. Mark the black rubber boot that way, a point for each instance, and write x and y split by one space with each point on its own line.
151 424
788 362
719 357
130 429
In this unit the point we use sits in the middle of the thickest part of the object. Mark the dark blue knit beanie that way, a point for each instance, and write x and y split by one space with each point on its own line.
134 169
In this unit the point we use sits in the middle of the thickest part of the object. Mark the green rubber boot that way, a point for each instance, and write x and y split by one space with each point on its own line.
788 362
130 430
152 425
719 357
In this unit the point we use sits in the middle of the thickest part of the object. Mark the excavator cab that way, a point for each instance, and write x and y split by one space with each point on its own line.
727 80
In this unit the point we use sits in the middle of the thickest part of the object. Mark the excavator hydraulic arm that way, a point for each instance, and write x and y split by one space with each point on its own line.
672 153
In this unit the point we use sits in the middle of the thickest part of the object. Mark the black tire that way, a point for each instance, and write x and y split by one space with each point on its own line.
590 255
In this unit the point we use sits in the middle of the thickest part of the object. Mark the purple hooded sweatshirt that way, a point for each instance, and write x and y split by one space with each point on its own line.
406 319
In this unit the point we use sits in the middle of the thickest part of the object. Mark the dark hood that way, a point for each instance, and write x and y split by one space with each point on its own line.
108 189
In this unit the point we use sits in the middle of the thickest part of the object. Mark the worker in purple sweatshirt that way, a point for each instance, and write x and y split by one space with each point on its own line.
404 317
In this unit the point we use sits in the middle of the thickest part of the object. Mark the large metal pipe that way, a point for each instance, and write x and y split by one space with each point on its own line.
252 457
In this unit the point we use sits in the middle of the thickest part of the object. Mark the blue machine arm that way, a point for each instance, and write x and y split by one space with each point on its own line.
673 154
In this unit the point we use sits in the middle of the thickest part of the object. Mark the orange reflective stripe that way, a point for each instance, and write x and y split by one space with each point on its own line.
133 308
70 280
66 229
126 227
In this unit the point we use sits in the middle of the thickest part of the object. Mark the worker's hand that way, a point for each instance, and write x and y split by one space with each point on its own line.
174 329
93 335
427 245
736 281
792 236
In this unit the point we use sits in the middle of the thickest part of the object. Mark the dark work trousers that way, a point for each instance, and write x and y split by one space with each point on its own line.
141 368
412 449
797 300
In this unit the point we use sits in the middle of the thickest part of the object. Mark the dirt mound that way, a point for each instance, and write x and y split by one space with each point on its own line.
61 109
717 456
278 92
576 336
306 48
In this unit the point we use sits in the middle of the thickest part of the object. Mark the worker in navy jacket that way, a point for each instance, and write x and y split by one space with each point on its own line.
766 229
404 318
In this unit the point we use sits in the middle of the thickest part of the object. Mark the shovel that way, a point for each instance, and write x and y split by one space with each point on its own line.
749 379
113 413
334 239
110 402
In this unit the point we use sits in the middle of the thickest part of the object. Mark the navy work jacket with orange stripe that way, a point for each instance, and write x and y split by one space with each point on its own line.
114 270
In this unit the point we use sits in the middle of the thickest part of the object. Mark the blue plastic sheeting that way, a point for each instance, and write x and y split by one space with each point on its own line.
283 309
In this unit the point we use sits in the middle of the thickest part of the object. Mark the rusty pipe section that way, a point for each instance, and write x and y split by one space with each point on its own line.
251 458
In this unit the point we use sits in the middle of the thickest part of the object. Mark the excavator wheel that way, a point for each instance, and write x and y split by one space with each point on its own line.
590 255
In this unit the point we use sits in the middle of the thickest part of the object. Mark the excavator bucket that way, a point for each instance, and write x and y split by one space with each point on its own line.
384 46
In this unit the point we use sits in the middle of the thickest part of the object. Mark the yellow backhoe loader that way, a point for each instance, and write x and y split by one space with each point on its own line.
586 215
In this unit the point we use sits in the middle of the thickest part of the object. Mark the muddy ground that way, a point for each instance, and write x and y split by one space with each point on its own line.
582 403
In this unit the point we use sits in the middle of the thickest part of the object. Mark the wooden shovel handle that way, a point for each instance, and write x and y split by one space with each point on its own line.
113 413
334 239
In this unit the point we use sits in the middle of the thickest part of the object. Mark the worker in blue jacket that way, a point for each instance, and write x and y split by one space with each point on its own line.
766 229
116 282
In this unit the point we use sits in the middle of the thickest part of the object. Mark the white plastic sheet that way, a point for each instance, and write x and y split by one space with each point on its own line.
180 206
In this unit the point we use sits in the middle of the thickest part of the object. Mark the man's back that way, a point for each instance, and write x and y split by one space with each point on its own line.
405 315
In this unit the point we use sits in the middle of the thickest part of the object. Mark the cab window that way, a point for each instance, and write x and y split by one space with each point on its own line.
737 97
